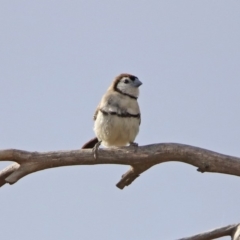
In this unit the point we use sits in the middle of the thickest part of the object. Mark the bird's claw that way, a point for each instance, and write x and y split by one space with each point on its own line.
135 145
95 150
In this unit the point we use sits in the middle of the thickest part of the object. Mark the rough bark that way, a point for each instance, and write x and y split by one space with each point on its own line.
232 230
140 160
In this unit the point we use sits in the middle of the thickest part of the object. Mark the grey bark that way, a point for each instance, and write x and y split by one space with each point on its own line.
140 160
232 230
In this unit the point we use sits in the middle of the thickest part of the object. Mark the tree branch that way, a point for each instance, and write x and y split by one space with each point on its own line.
140 160
232 230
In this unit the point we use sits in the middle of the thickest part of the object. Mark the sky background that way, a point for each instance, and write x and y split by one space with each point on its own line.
57 58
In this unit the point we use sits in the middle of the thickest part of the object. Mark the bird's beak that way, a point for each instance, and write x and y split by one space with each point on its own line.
137 83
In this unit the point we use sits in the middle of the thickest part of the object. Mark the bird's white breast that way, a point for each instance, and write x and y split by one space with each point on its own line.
113 130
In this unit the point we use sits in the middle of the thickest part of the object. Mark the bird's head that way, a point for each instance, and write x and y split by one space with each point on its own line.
127 84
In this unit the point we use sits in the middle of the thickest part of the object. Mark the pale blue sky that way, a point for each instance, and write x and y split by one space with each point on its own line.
57 58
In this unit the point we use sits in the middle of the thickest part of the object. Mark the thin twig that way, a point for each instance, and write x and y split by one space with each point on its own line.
216 233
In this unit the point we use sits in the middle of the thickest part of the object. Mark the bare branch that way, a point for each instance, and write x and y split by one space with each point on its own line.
140 161
132 174
230 230
7 171
236 234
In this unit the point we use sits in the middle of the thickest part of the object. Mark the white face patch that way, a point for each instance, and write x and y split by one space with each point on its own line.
126 85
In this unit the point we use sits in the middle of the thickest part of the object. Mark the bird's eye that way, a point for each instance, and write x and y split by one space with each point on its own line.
126 81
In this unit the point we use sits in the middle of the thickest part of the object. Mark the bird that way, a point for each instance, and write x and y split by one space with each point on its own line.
117 117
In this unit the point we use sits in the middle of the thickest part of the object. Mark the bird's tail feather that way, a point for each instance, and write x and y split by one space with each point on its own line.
90 144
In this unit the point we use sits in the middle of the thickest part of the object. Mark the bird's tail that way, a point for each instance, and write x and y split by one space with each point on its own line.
90 144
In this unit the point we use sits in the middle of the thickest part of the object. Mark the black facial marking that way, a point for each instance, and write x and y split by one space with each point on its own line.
132 78
118 79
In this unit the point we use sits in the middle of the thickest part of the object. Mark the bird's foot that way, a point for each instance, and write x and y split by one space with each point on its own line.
135 145
95 149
